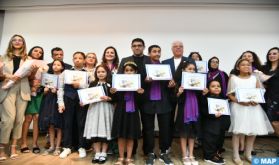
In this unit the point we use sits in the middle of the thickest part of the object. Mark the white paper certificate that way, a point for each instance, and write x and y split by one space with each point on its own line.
126 82
158 71
91 95
250 94
50 80
201 66
193 81
71 76
218 106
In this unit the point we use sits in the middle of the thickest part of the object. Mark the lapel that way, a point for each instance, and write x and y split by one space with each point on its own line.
172 65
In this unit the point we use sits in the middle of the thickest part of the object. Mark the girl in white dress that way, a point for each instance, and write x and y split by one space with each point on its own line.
99 117
246 118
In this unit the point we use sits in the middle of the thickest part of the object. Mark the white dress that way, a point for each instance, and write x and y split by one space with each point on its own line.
98 122
247 120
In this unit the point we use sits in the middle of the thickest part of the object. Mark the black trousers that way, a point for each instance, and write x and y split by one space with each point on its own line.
148 131
74 118
211 144
172 123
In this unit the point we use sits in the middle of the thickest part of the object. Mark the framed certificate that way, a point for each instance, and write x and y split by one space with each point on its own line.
50 80
250 94
91 95
71 76
201 66
193 81
158 71
218 106
126 82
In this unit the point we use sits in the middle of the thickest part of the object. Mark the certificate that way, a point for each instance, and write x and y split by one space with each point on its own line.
201 66
91 95
250 94
71 76
193 81
126 82
50 80
218 106
158 71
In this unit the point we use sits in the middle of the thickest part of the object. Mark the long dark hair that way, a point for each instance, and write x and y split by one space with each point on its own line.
236 71
192 53
268 66
116 59
31 50
108 78
256 60
50 70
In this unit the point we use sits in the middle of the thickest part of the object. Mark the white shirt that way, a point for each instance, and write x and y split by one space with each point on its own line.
177 62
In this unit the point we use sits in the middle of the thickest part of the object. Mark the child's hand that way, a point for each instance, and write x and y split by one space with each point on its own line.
81 104
244 103
218 114
113 90
76 84
46 89
105 98
148 79
61 109
53 90
180 91
171 84
140 91
253 103
205 91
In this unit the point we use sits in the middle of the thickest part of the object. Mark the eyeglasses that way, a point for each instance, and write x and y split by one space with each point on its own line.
216 62
134 46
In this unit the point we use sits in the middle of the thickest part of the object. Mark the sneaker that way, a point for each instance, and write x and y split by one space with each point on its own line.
49 151
165 159
103 158
96 158
215 160
150 159
65 153
82 152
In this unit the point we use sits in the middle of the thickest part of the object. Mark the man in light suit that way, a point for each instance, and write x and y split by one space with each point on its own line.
177 50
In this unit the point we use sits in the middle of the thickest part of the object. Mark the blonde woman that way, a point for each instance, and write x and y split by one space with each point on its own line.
14 100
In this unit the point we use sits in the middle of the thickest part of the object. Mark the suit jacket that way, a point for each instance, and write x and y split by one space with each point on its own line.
170 61
24 83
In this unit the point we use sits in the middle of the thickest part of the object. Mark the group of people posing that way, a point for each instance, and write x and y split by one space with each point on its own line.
124 117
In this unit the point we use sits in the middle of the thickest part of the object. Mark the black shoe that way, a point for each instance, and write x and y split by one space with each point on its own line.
150 159
254 153
165 159
215 160
94 160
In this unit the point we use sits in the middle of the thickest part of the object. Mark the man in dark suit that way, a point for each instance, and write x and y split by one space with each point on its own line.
177 50
57 54
140 59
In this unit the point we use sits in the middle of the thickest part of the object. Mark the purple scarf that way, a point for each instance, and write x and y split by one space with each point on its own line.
212 75
191 111
130 102
155 91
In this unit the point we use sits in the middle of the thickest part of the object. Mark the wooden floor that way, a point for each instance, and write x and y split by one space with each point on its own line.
265 146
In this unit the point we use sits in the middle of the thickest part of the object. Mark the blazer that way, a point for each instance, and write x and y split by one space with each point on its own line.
25 91
170 61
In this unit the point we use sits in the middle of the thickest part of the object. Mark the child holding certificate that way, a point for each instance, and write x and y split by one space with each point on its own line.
188 114
126 120
33 107
244 115
74 114
156 103
214 125
99 117
50 119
